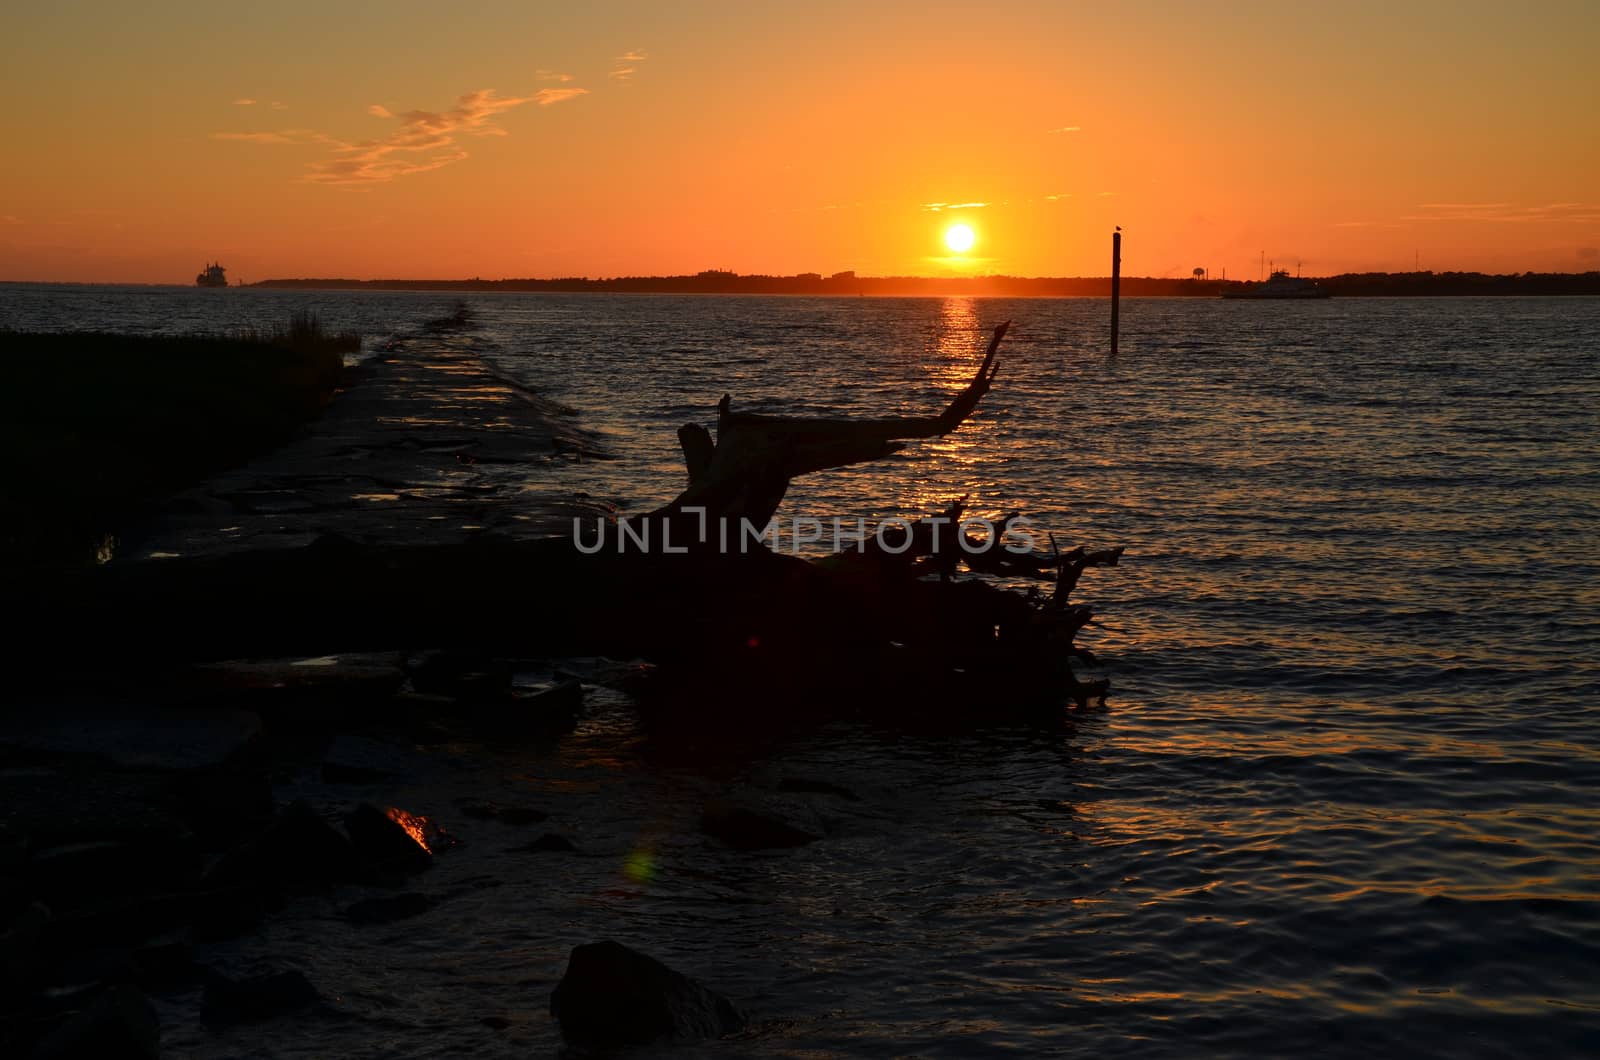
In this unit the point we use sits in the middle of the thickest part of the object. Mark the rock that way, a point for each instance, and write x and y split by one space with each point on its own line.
384 842
485 810
123 921
462 677
119 1023
361 760
374 673
257 998
388 909
300 847
217 803
135 737
522 815
78 965
752 820
478 809
425 731
544 711
554 708
152 963
549 842
223 913
164 959
300 850
20 946
70 970
14 844
82 802
199 502
344 773
613 996
271 502
70 875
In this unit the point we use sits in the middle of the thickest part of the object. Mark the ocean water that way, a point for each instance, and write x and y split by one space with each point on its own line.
1343 798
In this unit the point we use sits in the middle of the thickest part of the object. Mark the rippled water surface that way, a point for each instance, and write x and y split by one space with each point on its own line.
1344 796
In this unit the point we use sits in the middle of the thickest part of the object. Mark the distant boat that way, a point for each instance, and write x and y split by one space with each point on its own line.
1280 285
213 276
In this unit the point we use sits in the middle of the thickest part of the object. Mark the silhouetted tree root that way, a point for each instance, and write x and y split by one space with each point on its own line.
744 473
919 639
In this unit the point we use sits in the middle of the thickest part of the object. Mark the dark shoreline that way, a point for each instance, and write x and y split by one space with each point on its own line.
100 426
159 817
1365 285
1345 285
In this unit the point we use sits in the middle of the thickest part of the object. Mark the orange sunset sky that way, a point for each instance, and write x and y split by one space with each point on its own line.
415 140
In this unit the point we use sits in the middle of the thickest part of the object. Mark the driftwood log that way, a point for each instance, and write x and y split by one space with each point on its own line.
920 634
872 630
746 471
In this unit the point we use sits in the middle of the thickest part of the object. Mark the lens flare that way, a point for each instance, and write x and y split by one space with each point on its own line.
640 866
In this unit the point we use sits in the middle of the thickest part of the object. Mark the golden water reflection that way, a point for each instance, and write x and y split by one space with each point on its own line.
959 331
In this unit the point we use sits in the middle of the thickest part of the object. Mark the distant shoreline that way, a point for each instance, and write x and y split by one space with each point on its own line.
845 284
848 284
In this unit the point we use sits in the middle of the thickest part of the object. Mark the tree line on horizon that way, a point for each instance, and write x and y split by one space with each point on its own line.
717 281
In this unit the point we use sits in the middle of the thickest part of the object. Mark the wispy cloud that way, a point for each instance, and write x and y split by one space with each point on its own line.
546 96
10 219
244 103
285 136
1365 224
1058 197
936 207
1564 209
279 106
624 66
1066 129
551 75
1505 212
426 140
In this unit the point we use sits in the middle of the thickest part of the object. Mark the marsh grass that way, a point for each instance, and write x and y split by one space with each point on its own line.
303 334
95 427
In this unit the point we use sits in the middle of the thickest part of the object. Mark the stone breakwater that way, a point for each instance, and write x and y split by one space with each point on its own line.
427 445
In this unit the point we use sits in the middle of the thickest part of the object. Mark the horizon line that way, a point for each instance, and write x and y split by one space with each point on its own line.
837 278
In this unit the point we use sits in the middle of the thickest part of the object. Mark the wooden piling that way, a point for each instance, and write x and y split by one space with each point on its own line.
1116 284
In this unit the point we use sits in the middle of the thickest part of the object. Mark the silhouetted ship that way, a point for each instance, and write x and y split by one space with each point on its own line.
213 276
1280 285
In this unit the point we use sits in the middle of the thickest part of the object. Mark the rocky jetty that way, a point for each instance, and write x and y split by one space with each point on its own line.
614 996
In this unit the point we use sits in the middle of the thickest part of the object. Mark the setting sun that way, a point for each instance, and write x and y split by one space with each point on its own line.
960 238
